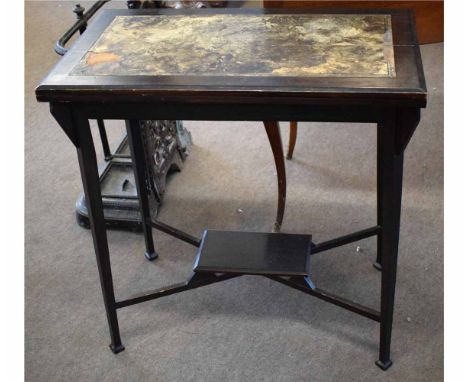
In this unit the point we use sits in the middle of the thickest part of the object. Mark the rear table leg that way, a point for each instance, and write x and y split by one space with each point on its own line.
141 179
380 143
104 140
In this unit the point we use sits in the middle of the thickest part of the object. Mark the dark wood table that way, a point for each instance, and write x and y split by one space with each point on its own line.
246 65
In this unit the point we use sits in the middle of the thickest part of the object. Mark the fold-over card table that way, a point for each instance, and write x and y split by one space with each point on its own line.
245 65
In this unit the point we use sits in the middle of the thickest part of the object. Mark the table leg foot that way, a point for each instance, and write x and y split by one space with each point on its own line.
377 266
151 256
117 348
384 365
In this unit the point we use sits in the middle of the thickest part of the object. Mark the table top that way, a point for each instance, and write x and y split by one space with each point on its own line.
250 54
243 45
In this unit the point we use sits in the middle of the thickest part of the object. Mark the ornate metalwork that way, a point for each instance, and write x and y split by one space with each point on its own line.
165 150
79 26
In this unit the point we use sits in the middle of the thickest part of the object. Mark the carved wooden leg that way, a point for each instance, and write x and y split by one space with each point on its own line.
292 139
274 135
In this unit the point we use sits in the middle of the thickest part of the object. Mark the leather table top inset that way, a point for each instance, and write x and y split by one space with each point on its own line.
351 45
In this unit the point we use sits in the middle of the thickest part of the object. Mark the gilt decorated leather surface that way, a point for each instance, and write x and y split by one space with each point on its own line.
243 45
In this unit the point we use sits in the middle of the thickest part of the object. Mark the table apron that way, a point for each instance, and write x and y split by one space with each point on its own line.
240 112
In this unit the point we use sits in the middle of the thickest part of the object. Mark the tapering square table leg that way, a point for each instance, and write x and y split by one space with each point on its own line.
142 185
92 190
390 170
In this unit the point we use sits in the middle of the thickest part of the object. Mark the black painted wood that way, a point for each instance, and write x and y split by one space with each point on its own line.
141 175
391 176
343 240
91 187
254 253
192 283
303 284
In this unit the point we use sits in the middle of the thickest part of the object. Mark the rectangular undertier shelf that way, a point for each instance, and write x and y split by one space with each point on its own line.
254 253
